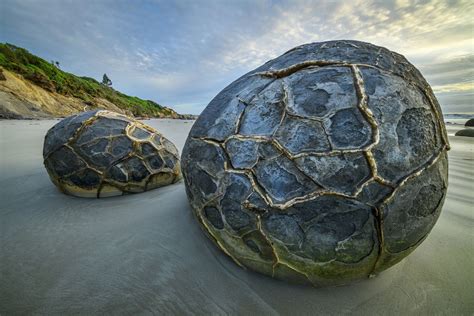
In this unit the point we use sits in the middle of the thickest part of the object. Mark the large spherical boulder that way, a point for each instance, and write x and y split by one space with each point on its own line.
324 165
102 153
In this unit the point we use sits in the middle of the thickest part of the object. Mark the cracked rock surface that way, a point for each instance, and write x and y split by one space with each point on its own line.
102 153
325 165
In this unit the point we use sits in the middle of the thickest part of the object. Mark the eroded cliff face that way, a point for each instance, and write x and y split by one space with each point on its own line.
31 87
21 99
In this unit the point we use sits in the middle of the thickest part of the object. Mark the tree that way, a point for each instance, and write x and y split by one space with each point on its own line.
106 81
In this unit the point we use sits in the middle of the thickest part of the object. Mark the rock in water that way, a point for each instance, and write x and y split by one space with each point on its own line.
325 165
470 123
102 153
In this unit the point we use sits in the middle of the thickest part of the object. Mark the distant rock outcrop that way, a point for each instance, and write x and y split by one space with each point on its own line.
469 132
470 123
188 116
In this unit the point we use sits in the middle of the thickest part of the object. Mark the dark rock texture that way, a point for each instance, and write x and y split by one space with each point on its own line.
470 123
102 153
325 165
469 132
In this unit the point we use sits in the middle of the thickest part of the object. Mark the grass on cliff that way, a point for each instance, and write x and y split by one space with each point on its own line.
51 78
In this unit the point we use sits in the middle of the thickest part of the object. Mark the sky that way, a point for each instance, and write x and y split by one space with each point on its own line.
182 53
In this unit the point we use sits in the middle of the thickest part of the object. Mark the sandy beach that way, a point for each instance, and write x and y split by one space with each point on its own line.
145 253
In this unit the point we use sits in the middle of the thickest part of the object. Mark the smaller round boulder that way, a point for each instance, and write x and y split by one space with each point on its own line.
102 153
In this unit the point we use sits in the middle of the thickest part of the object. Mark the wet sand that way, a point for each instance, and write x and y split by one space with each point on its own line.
145 253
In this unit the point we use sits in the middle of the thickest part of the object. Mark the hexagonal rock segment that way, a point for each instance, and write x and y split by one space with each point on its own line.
102 153
222 116
348 129
243 153
209 161
322 166
409 128
300 135
410 214
330 230
282 180
343 173
315 92
263 114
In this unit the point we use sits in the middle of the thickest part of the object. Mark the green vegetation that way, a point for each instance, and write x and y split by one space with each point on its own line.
48 76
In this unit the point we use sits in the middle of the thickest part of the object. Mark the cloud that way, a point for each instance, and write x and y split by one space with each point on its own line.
182 53
455 87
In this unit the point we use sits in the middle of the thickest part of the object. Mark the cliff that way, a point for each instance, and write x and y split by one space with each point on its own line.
31 87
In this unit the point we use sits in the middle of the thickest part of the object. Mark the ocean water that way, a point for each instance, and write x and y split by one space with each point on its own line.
457 118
